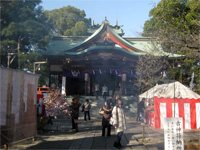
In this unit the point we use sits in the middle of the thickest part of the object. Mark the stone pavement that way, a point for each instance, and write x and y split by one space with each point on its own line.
154 138
89 137
60 136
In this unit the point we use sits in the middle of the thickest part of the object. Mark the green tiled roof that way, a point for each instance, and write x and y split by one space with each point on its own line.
57 45
100 49
68 45
151 48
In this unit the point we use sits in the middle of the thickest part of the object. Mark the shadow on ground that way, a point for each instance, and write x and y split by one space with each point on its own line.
78 143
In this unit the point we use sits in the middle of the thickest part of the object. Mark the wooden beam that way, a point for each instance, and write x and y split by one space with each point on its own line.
38 64
41 62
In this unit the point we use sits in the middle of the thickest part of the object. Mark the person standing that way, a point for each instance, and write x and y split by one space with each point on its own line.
106 111
119 119
75 113
104 92
141 107
86 109
97 90
138 113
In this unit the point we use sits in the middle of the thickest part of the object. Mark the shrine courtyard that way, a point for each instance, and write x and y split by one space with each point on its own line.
60 136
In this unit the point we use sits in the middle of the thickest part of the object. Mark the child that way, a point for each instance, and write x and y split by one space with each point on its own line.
86 109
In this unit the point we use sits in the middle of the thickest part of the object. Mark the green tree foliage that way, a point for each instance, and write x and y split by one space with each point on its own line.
23 29
68 21
183 71
26 30
80 29
27 61
149 70
23 32
176 26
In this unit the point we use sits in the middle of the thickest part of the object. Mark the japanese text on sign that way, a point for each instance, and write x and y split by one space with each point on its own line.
173 133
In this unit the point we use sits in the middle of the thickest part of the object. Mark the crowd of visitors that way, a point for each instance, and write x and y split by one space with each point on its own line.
105 91
112 115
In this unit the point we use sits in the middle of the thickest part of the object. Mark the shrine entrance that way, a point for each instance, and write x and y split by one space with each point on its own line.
75 86
85 85
111 81
105 57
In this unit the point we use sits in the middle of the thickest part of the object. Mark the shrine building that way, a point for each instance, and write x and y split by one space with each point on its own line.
104 57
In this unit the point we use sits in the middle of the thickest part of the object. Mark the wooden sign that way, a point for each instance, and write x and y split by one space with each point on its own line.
105 55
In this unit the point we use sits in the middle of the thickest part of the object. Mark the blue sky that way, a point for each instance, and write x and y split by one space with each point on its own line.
132 14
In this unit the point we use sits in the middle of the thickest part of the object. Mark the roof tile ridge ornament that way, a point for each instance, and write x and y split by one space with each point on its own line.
116 22
106 21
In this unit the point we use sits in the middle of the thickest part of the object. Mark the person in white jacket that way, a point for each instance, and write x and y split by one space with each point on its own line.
119 119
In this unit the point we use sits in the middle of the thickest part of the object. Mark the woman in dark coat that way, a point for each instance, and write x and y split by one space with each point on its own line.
106 111
75 113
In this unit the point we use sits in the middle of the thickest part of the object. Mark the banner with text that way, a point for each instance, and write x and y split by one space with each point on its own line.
173 133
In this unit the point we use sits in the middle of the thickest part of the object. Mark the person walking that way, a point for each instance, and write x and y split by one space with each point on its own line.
104 92
106 111
119 119
86 109
75 113
97 90
141 107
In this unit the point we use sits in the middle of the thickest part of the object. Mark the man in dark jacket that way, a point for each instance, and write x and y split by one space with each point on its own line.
75 113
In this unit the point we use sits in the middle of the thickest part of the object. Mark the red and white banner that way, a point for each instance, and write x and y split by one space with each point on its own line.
188 109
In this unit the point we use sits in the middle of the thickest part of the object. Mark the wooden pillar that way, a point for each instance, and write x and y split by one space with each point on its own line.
123 84
87 84
63 92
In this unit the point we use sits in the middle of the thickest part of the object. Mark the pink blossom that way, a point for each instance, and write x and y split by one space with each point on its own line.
56 104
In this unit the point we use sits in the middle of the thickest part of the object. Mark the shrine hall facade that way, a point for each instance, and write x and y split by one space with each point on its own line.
104 57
